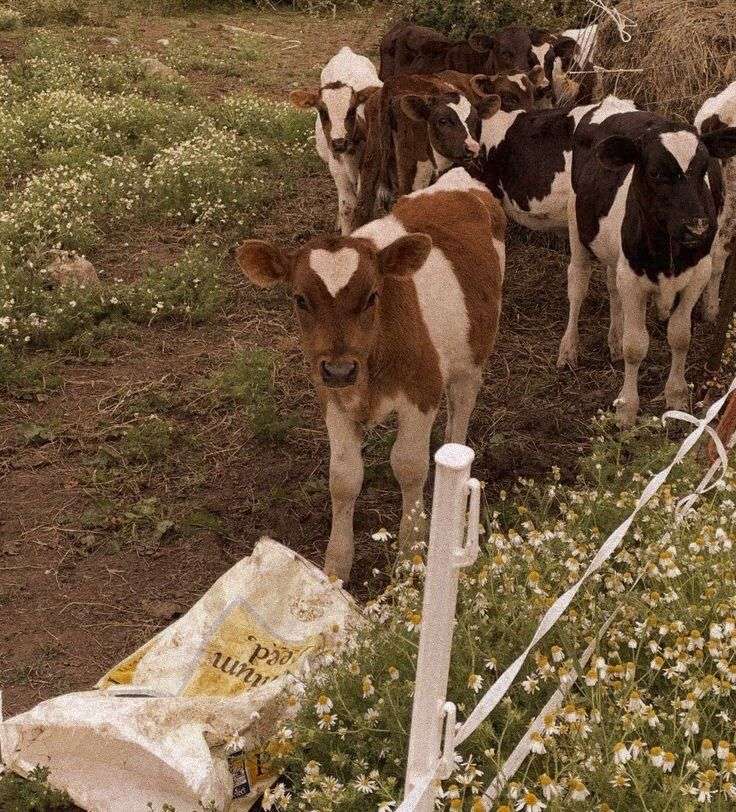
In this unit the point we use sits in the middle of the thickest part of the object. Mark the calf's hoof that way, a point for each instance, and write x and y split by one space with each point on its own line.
677 397
626 413
568 355
338 567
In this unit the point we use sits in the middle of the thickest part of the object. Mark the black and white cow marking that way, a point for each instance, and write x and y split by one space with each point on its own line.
718 113
528 160
646 193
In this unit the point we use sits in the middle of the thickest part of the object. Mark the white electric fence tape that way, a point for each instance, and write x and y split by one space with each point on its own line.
621 21
524 747
502 685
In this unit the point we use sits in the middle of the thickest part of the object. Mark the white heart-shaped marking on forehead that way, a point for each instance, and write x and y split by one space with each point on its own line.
337 101
682 145
334 268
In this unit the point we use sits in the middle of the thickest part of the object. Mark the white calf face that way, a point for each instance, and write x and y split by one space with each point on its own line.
337 105
337 102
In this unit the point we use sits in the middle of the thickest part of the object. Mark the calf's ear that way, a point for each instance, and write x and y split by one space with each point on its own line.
617 151
264 264
304 98
488 106
362 96
538 77
565 48
482 84
538 36
416 107
483 43
405 255
721 143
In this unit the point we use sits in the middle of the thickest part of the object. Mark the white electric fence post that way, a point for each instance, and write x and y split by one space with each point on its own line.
447 552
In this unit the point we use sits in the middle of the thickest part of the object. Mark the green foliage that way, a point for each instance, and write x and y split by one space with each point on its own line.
46 12
635 730
149 442
26 379
187 54
32 794
90 147
459 18
248 380
10 19
36 315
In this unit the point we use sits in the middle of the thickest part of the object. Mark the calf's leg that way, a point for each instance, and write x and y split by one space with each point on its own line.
462 392
578 279
616 327
410 464
346 480
678 336
635 344
711 295
346 196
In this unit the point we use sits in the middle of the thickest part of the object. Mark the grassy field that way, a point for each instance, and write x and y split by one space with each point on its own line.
155 424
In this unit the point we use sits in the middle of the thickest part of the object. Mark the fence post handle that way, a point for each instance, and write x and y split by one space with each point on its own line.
444 557
467 554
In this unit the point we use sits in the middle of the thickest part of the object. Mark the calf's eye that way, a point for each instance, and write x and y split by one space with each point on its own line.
371 300
301 302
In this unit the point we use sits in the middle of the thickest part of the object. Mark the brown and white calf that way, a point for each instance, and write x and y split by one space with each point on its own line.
416 128
517 91
346 83
392 317
718 113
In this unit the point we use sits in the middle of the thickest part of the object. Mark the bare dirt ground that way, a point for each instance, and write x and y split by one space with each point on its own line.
99 549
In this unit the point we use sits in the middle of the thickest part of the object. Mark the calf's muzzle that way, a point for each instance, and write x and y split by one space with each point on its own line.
338 373
340 145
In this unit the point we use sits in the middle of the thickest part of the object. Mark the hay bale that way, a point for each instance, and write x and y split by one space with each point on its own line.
685 49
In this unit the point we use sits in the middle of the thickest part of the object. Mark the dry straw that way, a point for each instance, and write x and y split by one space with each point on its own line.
686 50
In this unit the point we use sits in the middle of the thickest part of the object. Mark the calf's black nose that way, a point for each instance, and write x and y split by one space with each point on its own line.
338 373
339 145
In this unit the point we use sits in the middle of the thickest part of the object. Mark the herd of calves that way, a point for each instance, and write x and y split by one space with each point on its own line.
399 310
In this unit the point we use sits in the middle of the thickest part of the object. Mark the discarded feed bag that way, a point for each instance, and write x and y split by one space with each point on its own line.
183 721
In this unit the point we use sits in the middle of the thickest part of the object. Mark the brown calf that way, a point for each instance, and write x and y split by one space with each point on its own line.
391 317
517 91
417 127
413 49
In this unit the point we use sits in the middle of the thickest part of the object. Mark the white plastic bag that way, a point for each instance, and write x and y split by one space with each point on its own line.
160 727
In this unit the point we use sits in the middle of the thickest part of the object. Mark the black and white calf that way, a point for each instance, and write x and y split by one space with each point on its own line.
346 83
718 113
645 198
528 160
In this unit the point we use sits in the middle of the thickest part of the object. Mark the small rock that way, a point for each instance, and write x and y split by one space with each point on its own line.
111 40
155 67
163 41
69 267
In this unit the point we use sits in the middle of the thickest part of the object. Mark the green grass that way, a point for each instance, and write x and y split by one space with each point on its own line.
660 680
247 382
92 148
32 795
